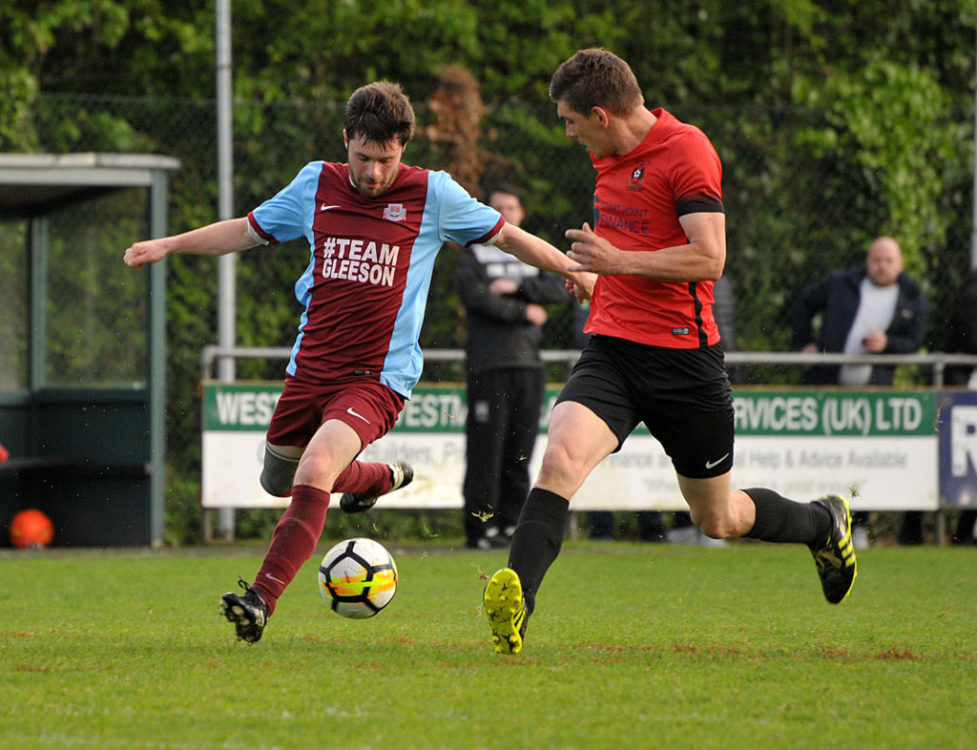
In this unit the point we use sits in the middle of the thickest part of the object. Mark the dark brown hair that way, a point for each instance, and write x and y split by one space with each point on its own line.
379 112
596 77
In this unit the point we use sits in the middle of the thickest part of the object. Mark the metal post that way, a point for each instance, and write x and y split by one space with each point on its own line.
226 291
38 240
156 379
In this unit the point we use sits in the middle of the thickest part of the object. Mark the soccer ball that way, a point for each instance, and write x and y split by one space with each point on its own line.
358 578
31 528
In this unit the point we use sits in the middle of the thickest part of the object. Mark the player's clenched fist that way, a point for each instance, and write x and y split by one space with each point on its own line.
141 253
591 252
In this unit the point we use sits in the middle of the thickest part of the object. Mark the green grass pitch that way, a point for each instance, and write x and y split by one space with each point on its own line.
631 646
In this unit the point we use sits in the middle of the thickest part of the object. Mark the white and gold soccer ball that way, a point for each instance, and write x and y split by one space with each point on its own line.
358 578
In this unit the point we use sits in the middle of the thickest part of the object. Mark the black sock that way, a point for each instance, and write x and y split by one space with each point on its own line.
781 520
537 540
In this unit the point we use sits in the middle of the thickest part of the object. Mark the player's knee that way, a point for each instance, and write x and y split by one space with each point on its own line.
315 470
714 525
559 470
277 473
716 530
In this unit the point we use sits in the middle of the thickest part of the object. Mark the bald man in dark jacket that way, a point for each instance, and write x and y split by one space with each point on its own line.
861 296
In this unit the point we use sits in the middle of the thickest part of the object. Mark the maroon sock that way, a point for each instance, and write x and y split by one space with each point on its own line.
293 542
365 478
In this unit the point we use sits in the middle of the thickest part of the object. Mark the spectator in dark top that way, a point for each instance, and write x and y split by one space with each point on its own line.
651 525
873 308
504 300
683 531
962 338
962 334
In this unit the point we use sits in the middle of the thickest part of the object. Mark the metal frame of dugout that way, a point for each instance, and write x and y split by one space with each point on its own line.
87 445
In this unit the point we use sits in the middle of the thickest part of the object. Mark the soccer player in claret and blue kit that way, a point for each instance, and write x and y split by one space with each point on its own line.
374 226
657 245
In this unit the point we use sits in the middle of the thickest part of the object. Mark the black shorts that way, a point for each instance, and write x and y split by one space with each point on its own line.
682 395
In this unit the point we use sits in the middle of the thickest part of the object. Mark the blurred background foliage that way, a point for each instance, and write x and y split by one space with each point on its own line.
836 122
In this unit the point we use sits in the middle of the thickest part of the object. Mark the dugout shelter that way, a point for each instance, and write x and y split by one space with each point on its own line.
82 345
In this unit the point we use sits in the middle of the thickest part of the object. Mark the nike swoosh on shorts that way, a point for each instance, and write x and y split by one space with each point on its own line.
711 464
360 416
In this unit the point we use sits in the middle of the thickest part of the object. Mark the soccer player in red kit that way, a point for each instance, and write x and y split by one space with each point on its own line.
374 226
657 245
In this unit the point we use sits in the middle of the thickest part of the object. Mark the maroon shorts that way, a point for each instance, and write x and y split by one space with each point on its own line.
368 407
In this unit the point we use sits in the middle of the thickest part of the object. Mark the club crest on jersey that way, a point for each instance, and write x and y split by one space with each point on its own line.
395 212
637 177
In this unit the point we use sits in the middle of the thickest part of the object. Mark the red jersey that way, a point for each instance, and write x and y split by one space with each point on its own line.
638 200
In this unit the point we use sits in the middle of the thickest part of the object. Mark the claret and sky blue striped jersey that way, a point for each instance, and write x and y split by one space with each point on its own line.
366 284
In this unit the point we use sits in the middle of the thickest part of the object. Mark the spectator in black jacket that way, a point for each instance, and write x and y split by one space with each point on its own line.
651 524
873 308
962 339
504 300
961 335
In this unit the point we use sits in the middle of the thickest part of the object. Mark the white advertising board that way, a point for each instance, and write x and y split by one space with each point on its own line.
879 446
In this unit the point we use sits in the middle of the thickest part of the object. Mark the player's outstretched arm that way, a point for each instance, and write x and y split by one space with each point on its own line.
219 238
